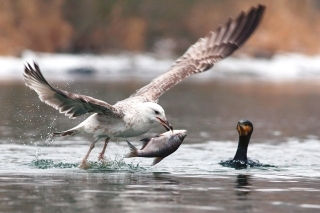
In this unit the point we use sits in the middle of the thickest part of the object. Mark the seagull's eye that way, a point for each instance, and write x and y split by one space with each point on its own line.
157 112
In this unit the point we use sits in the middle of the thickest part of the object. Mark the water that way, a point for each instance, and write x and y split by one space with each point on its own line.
39 175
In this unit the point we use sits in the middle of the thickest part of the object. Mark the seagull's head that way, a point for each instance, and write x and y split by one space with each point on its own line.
156 113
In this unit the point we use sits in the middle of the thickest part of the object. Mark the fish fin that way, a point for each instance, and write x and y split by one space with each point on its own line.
156 160
133 151
145 141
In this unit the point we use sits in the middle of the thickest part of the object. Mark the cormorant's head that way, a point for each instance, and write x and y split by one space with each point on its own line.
244 127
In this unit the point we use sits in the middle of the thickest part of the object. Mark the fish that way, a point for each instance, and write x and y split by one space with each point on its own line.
159 146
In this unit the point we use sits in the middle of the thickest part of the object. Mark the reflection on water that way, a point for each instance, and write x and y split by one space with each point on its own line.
242 186
243 191
154 192
38 175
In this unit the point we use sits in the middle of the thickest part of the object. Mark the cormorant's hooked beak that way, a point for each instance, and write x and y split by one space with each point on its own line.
243 130
165 124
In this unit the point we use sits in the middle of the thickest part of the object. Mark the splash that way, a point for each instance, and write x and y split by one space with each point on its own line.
47 136
107 166
115 165
239 164
49 164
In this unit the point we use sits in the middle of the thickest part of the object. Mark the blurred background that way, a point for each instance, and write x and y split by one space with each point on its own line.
120 45
163 27
127 43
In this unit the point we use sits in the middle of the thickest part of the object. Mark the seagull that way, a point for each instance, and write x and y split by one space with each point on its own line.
136 115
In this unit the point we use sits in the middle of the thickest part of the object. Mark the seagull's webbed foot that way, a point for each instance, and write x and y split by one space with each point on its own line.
101 157
84 165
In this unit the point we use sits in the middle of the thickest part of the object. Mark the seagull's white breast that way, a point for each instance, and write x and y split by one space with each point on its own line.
133 123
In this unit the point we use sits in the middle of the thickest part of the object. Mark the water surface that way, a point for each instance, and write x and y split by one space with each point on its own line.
39 175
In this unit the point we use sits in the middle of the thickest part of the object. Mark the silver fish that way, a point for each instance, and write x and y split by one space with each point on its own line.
158 147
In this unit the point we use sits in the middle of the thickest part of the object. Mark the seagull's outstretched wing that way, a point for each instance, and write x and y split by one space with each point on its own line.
72 105
205 53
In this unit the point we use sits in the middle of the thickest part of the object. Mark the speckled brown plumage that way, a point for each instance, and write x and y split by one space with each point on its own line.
205 53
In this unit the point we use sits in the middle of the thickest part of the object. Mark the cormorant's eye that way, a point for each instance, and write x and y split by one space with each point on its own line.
157 112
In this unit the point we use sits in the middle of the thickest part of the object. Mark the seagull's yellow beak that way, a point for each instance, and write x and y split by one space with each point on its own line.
165 124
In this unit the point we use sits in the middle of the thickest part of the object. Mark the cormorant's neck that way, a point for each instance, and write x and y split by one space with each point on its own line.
241 153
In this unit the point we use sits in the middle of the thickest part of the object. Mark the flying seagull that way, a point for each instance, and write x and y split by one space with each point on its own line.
135 115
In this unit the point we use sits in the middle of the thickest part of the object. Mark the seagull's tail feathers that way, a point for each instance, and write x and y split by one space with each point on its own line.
69 132
133 151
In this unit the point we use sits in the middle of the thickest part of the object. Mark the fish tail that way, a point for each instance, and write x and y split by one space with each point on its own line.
133 151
